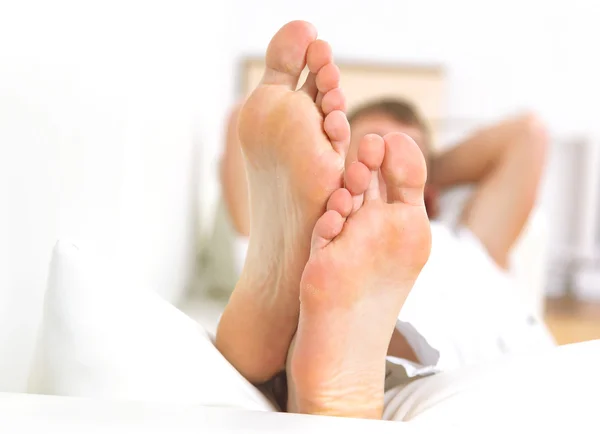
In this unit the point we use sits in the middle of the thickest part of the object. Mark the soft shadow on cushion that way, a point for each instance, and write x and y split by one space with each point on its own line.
101 338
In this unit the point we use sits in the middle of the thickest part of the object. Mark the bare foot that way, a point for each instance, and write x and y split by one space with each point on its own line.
362 267
294 143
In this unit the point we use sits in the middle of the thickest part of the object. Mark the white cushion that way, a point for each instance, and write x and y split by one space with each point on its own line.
101 338
21 413
550 391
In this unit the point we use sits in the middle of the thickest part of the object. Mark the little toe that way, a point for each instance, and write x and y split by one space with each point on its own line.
403 169
327 228
287 52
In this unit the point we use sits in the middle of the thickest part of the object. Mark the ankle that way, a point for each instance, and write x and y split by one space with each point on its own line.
255 331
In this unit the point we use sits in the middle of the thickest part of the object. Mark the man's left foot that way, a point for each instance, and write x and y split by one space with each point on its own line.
362 266
294 144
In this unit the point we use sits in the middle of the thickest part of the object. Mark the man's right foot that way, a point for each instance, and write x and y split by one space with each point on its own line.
294 143
362 267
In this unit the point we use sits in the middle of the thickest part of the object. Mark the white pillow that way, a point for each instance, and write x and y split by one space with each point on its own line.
101 338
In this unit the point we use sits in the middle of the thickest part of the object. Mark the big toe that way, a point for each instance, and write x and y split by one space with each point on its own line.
404 170
286 54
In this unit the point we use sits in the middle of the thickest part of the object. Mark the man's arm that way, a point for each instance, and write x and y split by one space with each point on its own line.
505 162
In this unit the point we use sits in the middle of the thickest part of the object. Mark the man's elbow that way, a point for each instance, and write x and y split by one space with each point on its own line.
534 135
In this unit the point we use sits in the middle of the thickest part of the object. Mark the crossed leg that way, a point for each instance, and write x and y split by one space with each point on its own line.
294 143
363 263
363 260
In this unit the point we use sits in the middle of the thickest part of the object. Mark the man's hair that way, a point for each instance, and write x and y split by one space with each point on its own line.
398 109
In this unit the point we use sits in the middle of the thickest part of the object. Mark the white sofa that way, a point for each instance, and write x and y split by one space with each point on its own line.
20 413
109 356
129 361
84 157
82 172
87 153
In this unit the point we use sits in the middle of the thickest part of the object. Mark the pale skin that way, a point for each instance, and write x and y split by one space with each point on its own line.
316 192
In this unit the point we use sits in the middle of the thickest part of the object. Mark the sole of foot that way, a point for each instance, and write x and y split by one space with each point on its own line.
294 142
364 261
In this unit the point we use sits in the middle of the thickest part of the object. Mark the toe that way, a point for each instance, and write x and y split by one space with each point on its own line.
362 168
328 78
371 151
318 55
341 202
327 228
287 52
403 169
333 100
337 128
357 178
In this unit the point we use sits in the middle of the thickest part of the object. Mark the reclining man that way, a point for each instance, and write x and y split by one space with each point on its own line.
339 234
467 268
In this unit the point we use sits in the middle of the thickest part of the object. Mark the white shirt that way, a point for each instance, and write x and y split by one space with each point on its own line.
464 309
